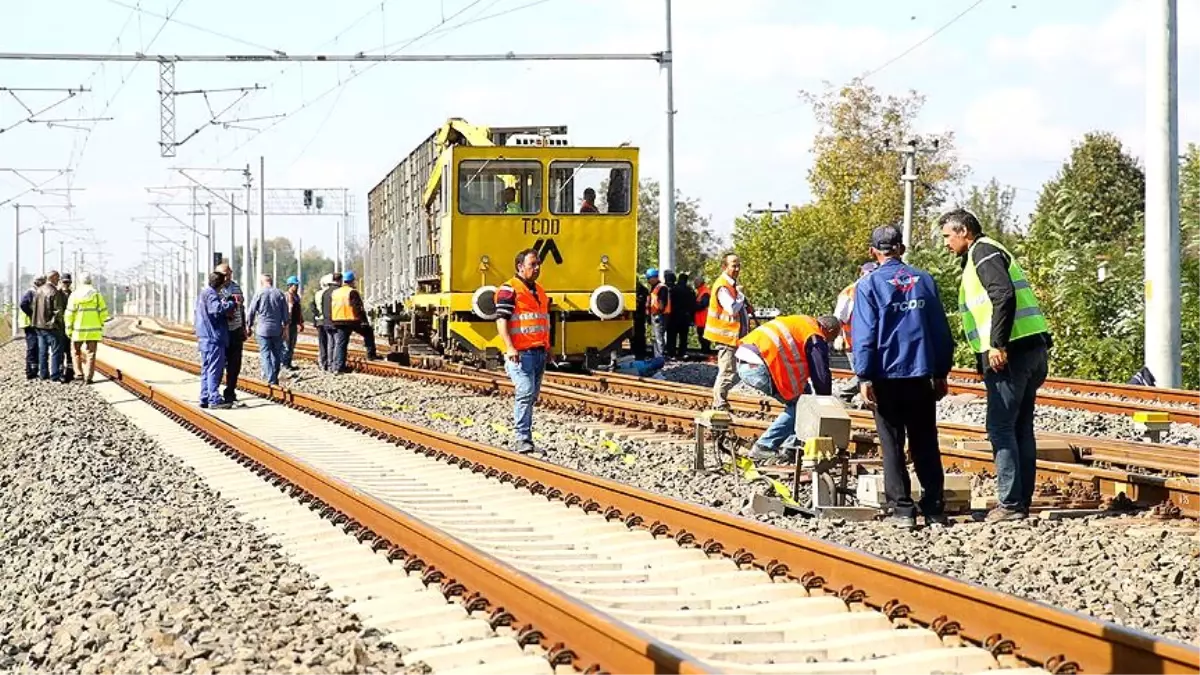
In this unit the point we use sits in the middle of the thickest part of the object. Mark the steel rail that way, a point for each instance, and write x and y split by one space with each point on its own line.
573 633
1058 640
1160 457
565 392
1189 397
1157 456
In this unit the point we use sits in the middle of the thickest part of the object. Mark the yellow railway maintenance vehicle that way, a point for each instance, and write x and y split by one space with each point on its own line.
447 222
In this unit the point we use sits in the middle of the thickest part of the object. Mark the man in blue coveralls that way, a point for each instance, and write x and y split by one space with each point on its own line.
903 351
212 337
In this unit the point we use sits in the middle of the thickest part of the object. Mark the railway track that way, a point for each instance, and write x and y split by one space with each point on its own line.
1108 467
602 576
1163 395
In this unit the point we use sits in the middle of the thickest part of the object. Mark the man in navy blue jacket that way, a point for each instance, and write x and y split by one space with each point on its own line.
903 352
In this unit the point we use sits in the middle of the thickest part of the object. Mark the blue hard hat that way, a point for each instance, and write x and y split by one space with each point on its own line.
652 273
292 280
347 276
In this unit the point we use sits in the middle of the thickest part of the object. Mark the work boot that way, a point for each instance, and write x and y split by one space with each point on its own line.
938 519
1003 514
760 454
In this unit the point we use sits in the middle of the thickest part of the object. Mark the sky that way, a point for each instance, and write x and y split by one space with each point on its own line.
1017 81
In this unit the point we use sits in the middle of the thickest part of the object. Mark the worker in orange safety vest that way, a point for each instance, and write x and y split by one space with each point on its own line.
728 320
523 323
780 358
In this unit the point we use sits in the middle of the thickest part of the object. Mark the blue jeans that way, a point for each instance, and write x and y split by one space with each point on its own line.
526 375
271 350
50 355
1011 396
758 377
212 365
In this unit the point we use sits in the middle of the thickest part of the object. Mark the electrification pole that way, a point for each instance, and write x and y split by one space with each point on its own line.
16 292
666 209
1162 279
212 245
262 216
246 252
232 232
909 178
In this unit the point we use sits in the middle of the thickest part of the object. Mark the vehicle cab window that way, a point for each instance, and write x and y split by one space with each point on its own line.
499 187
583 187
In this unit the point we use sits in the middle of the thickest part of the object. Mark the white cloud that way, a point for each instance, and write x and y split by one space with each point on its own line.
1013 124
1114 47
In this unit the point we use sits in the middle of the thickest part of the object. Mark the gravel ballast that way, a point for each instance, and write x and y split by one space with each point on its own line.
117 558
1131 570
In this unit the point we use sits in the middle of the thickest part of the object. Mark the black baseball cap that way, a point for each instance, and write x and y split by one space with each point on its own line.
886 238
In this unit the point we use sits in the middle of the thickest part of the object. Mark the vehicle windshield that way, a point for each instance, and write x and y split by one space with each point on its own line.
590 186
499 186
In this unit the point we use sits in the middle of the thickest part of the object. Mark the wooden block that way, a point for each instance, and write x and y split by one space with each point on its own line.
1056 451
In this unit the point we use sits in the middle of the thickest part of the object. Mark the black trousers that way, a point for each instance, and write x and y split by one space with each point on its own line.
906 409
64 343
31 353
233 364
368 336
324 342
705 346
637 341
677 340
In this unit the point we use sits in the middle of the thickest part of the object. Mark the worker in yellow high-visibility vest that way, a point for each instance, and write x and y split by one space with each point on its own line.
1008 333
85 317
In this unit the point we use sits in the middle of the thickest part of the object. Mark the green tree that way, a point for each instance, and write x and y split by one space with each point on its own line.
795 262
799 261
856 175
1189 200
695 243
1090 217
992 204
1108 190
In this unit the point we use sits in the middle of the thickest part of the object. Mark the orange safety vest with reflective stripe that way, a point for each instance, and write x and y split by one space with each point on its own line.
654 306
720 326
702 305
529 326
780 342
340 307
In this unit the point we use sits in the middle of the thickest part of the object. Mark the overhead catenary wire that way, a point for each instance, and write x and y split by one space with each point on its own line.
77 160
922 41
171 19
341 85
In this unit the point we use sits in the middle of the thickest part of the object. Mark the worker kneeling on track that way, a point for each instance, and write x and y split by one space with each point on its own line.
779 359
903 352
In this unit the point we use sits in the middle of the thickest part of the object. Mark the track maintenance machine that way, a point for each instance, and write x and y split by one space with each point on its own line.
447 222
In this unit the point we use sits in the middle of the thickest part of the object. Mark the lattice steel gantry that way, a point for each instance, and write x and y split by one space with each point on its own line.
166 108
